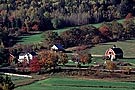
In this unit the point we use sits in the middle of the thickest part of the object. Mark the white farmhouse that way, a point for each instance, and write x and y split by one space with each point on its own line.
26 56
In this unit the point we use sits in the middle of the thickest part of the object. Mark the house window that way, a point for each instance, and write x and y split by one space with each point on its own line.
110 52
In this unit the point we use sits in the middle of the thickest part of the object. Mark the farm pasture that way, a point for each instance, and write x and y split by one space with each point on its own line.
31 39
127 46
19 80
63 83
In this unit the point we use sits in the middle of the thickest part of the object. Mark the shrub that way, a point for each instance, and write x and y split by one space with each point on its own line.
6 83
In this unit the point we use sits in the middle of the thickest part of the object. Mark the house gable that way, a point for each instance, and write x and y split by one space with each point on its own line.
54 47
57 47
110 51
114 52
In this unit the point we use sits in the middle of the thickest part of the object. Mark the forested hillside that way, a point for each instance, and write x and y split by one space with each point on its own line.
18 17
49 14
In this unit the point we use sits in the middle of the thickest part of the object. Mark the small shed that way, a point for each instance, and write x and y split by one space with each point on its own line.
57 47
114 53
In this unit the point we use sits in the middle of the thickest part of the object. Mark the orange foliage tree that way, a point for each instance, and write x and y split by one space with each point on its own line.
85 58
104 30
63 58
48 59
82 58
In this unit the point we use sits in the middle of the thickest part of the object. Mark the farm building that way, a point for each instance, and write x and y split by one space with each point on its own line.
114 53
57 47
26 56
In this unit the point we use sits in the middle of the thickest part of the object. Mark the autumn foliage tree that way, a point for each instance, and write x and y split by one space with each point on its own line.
96 40
63 58
129 15
85 58
35 65
129 28
105 32
6 83
35 27
51 38
110 65
79 36
82 58
117 30
48 59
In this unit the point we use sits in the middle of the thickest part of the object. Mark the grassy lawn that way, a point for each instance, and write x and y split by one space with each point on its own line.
61 83
17 80
31 39
99 60
127 46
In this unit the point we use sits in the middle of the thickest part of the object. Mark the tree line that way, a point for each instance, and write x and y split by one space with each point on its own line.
21 16
89 35
25 15
83 35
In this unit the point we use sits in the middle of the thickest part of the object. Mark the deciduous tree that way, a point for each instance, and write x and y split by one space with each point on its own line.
110 65
35 65
6 83
63 58
48 59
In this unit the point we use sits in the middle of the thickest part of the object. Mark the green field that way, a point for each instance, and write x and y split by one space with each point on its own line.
31 39
61 83
18 80
127 46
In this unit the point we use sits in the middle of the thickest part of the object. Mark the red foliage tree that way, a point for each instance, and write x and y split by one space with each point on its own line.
129 15
24 29
35 27
104 30
34 65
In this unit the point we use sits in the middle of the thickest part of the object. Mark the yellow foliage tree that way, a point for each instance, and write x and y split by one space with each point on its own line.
63 58
110 65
